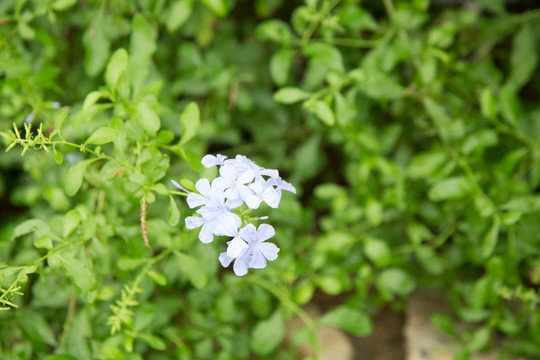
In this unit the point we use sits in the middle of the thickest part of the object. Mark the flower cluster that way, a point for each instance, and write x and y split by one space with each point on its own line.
241 181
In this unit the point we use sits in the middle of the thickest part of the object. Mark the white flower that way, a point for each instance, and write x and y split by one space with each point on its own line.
243 164
255 254
238 245
234 183
240 180
281 184
262 192
211 160
217 215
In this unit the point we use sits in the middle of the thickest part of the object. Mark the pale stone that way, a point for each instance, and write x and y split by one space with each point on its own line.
422 340
335 344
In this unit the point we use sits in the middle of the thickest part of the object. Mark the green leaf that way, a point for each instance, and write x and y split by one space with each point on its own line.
173 215
60 357
490 239
96 45
395 281
60 5
153 341
378 85
102 135
450 189
31 225
480 140
495 6
116 67
524 57
479 339
43 242
72 219
218 7
36 327
346 111
510 106
324 112
74 177
374 211
429 260
187 184
351 320
147 118
192 269
426 164
193 159
79 273
290 95
9 274
157 277
439 116
443 323
190 119
377 251
488 105
267 334
142 43
324 56
92 98
308 158
280 65
178 14
276 31
58 156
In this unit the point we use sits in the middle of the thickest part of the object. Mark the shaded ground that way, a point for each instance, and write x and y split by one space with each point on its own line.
387 340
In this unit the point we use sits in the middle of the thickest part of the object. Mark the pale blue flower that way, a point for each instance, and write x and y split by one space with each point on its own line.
234 183
281 184
243 164
211 160
240 180
238 245
261 191
217 217
255 254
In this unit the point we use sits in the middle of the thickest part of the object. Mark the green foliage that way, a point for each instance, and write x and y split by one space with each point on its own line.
410 130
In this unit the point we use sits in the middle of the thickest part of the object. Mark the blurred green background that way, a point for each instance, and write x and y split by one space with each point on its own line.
410 129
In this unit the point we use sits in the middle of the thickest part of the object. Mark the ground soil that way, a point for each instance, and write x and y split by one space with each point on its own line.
387 340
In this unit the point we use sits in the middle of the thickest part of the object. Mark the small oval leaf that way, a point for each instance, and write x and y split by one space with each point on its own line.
192 269
351 320
74 176
190 121
290 95
116 67
102 135
173 215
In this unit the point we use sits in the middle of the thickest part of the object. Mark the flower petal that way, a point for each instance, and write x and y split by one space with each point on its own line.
240 267
207 233
228 224
253 201
269 250
271 197
265 232
225 259
269 172
194 200
258 260
193 222
237 247
203 186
